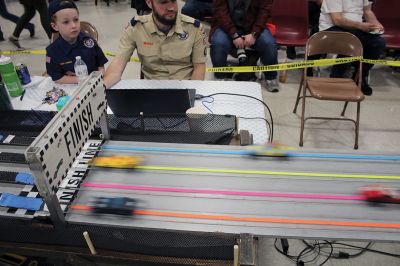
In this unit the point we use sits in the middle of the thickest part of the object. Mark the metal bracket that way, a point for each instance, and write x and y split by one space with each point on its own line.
247 250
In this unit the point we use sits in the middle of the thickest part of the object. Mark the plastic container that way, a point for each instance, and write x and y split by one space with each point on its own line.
81 70
10 77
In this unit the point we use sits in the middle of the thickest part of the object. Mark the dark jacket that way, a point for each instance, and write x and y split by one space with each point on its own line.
256 16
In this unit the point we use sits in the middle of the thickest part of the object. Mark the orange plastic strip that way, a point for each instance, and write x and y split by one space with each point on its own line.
253 219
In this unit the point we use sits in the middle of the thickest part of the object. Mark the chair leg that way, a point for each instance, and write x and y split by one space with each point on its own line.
298 95
357 126
344 108
302 116
95 2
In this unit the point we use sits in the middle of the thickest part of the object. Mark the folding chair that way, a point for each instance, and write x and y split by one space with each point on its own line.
332 89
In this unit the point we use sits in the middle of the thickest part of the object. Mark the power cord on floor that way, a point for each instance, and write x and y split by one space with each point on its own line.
320 249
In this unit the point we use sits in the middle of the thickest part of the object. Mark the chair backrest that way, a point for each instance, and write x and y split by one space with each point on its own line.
387 12
334 42
291 20
86 28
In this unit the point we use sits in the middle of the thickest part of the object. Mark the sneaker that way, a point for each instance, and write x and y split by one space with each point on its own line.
15 41
272 85
366 89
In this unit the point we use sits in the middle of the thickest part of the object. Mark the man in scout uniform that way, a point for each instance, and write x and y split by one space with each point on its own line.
169 45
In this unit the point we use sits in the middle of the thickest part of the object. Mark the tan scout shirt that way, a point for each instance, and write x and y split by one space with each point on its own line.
163 56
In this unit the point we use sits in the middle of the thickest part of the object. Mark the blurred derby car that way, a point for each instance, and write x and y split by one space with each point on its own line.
380 194
116 161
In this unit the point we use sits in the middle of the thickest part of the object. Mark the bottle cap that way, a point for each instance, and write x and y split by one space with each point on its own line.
77 57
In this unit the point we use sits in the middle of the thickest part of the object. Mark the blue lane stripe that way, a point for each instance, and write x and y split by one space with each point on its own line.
289 154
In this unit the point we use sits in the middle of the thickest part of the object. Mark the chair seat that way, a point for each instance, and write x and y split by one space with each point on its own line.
334 89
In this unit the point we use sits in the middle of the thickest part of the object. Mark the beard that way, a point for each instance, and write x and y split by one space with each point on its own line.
165 21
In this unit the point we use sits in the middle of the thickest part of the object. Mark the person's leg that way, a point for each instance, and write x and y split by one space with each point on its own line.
221 45
29 13
13 18
266 47
41 7
1 35
338 71
197 9
373 48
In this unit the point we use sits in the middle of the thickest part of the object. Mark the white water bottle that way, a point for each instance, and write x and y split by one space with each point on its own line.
80 68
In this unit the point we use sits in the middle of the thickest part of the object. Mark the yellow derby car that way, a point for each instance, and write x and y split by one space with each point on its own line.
116 161
270 150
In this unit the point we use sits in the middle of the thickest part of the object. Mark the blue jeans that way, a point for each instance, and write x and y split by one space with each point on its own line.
197 9
222 45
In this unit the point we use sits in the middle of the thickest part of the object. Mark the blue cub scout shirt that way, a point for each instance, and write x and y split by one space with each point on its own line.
60 56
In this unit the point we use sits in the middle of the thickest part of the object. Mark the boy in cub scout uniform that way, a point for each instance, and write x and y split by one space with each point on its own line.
169 45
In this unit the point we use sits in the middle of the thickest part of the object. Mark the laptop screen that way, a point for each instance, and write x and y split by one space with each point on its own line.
133 102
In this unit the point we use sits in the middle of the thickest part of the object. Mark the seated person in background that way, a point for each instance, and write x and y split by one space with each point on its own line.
198 9
60 55
241 24
170 45
141 7
356 17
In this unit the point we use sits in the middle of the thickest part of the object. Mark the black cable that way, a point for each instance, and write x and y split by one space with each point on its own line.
330 254
292 257
271 136
262 118
204 101
371 250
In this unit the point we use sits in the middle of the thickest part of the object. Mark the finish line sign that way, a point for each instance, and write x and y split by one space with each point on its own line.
53 152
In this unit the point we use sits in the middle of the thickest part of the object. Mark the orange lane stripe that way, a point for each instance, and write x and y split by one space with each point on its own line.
253 219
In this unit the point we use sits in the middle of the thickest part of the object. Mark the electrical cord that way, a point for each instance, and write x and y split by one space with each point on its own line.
370 249
261 118
271 126
203 102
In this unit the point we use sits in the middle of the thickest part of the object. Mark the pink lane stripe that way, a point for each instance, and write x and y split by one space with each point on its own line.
227 192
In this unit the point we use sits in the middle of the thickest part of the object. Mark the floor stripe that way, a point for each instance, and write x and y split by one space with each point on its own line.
226 192
252 219
247 152
264 172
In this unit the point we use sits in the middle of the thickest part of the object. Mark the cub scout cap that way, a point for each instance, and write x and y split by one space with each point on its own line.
57 5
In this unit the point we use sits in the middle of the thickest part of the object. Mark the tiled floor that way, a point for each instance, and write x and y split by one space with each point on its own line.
380 113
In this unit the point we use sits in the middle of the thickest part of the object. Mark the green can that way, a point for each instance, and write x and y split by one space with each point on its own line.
10 77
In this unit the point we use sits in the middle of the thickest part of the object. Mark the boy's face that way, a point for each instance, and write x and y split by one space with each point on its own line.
67 24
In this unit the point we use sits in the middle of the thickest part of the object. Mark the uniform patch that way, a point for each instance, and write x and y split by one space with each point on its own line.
88 42
183 36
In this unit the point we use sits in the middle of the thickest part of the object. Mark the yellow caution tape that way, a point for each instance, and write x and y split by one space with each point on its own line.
238 69
286 66
43 52
35 52
382 62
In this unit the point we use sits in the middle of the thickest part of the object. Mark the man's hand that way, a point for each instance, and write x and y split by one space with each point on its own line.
249 40
367 26
239 43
